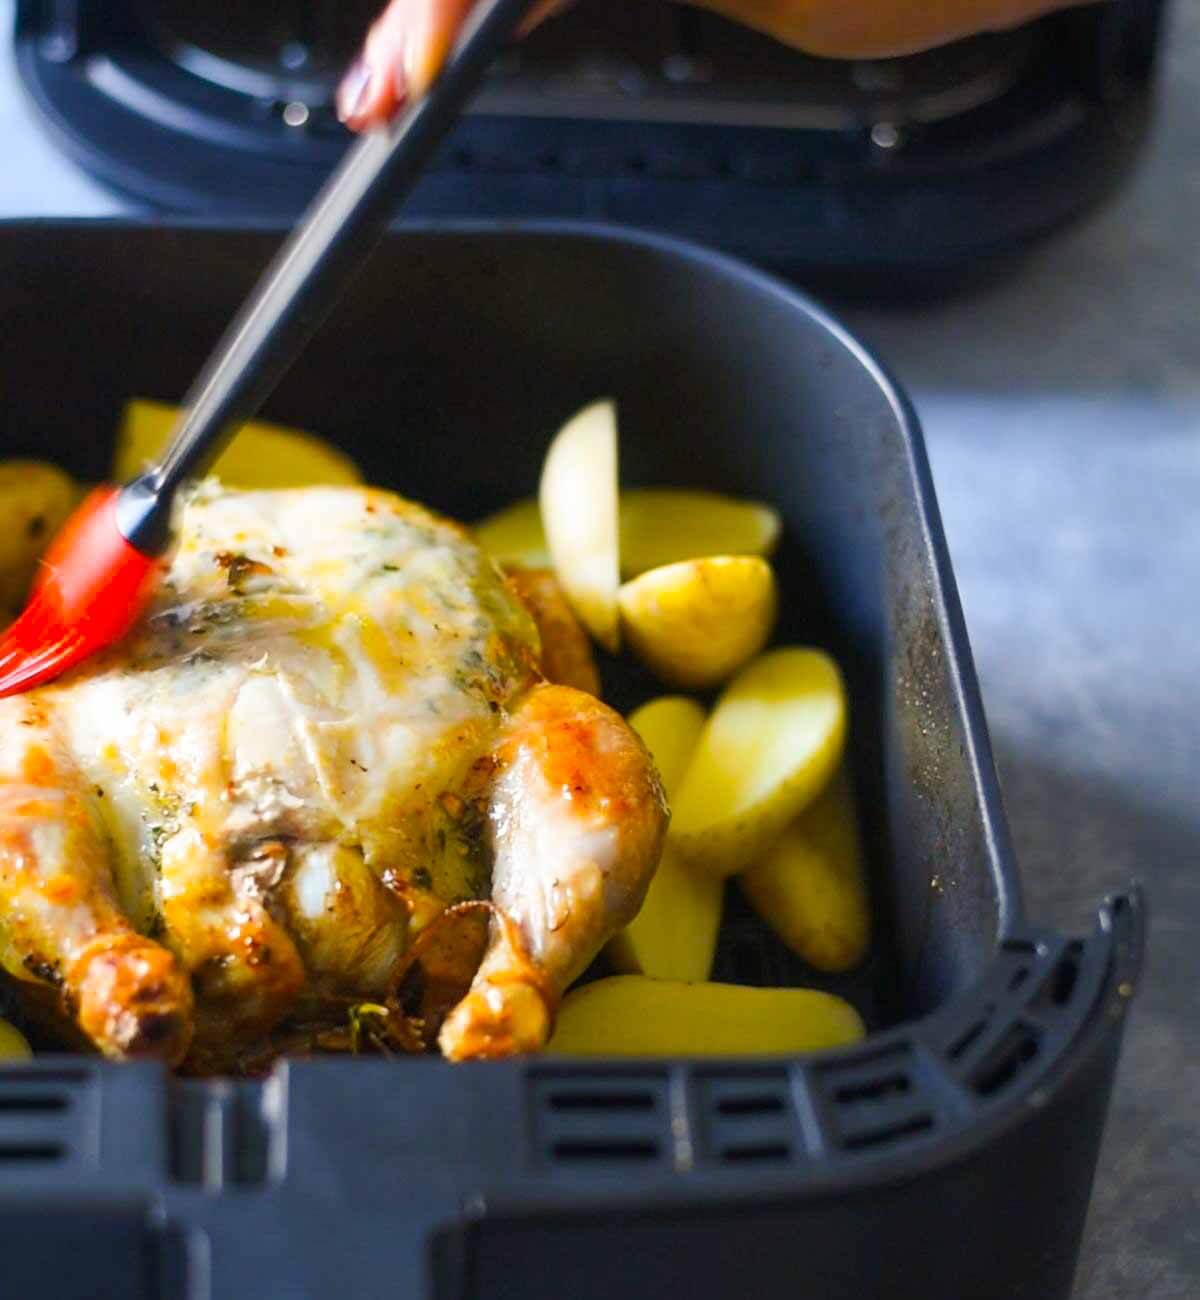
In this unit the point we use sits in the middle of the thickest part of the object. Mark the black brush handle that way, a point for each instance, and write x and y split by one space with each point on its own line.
308 275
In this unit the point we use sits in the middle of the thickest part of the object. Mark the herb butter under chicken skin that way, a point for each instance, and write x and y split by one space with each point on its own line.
333 724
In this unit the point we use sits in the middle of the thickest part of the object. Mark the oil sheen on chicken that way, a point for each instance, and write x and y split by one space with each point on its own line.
331 725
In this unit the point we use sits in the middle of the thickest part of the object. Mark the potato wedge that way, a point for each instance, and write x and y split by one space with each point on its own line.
515 535
630 1015
261 456
13 1046
35 499
665 525
674 936
578 500
657 526
811 887
768 748
670 729
695 623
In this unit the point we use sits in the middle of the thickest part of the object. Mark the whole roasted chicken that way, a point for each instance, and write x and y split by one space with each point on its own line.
332 728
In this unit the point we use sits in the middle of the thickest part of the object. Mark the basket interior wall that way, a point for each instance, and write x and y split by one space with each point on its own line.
454 359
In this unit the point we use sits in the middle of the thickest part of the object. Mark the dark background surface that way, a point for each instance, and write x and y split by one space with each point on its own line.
1062 409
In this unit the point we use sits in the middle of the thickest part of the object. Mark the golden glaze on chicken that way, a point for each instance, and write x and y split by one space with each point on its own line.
331 724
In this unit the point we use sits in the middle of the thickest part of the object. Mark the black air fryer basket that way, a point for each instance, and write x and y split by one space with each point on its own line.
948 1157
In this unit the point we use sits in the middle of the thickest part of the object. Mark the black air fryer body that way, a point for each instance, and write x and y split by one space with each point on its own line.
649 115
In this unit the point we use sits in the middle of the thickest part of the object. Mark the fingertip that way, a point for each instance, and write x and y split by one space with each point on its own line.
367 96
376 85
353 92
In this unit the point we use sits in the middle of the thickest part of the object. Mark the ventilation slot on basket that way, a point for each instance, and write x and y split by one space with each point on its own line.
874 1090
30 1151
605 1149
219 1136
746 1118
613 1121
741 1153
754 1105
971 1035
888 1133
1008 1058
594 1101
45 1118
876 1102
1060 986
31 1105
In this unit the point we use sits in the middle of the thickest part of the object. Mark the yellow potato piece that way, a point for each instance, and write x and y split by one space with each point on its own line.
670 729
13 1046
674 936
261 456
811 887
629 1015
35 499
514 535
578 500
770 745
656 526
695 623
664 525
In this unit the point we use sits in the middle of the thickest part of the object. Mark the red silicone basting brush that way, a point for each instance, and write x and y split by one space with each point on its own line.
100 570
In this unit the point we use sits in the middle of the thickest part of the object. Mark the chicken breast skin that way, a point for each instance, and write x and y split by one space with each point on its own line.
332 724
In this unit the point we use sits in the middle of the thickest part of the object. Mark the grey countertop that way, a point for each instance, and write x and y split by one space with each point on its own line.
1062 409
1074 528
